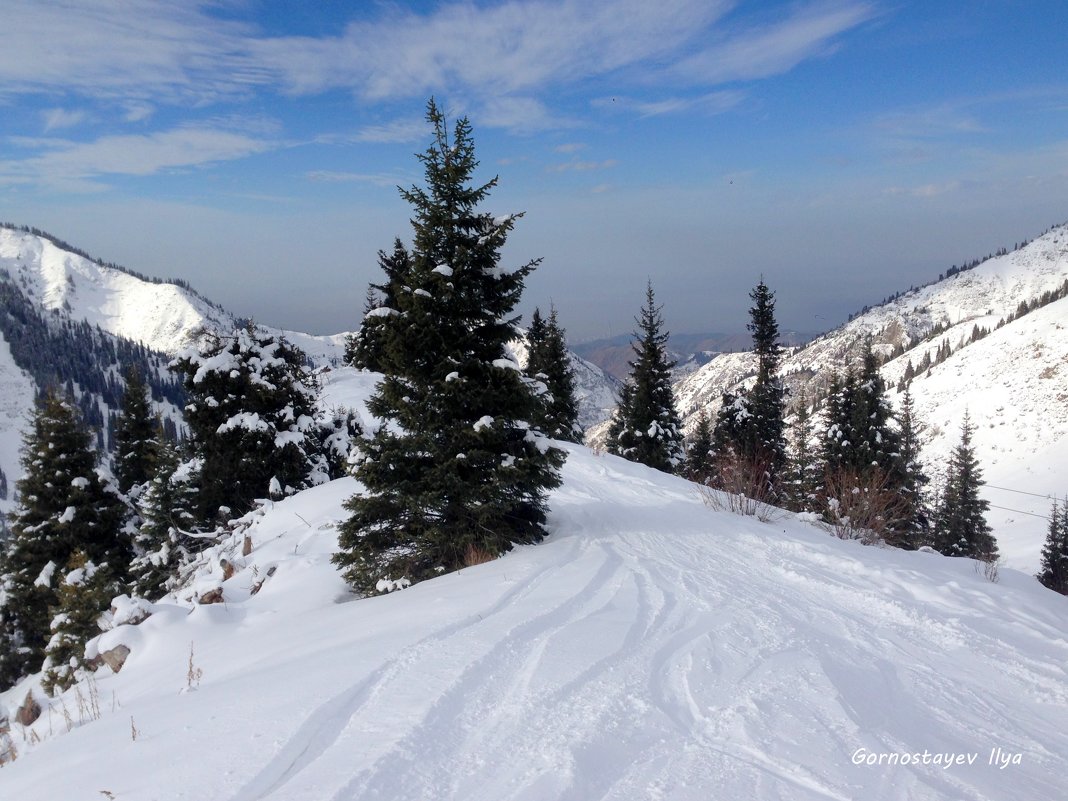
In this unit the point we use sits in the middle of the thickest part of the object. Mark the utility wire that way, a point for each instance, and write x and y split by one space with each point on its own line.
1018 511
1021 492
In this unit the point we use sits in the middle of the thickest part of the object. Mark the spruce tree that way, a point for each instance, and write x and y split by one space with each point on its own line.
64 508
699 457
646 427
457 472
548 362
1054 572
803 470
911 480
959 527
162 540
750 426
252 420
136 439
83 594
364 349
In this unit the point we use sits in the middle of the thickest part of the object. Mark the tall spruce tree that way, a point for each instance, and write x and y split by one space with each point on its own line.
750 425
1054 569
136 435
64 508
548 362
646 427
252 420
457 472
914 528
960 527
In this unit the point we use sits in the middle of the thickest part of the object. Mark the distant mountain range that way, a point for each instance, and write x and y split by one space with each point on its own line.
690 351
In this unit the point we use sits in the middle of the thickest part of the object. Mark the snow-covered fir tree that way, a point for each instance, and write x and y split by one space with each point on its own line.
646 427
65 507
162 541
804 471
252 421
548 362
959 527
457 472
858 435
83 594
136 435
1054 568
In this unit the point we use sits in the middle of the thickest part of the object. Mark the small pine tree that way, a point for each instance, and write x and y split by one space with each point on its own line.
803 470
1054 572
699 458
136 439
548 362
166 518
960 527
83 595
646 427
252 418
64 507
458 471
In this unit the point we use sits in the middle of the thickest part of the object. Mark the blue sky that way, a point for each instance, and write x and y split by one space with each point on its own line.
843 149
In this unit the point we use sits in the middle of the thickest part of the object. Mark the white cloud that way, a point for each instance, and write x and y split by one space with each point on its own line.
569 147
61 118
375 179
583 166
709 103
65 162
503 59
776 48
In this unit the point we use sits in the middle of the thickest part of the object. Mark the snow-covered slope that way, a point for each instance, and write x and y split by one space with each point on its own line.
163 316
1012 382
652 648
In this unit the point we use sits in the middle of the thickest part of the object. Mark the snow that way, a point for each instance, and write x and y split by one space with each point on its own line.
68 515
45 577
652 647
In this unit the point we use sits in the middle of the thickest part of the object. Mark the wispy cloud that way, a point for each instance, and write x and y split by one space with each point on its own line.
747 54
583 166
375 179
569 147
56 118
59 161
504 60
708 103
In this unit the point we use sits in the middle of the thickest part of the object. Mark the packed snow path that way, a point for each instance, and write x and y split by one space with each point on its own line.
653 648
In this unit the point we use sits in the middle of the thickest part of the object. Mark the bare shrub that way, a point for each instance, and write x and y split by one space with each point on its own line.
193 674
863 505
988 568
477 556
740 485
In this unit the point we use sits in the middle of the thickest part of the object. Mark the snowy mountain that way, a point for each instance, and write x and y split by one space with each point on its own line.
1011 381
653 647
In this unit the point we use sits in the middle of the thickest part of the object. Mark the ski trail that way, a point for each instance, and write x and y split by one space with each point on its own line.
322 727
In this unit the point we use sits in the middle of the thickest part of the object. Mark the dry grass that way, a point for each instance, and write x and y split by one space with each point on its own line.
477 556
